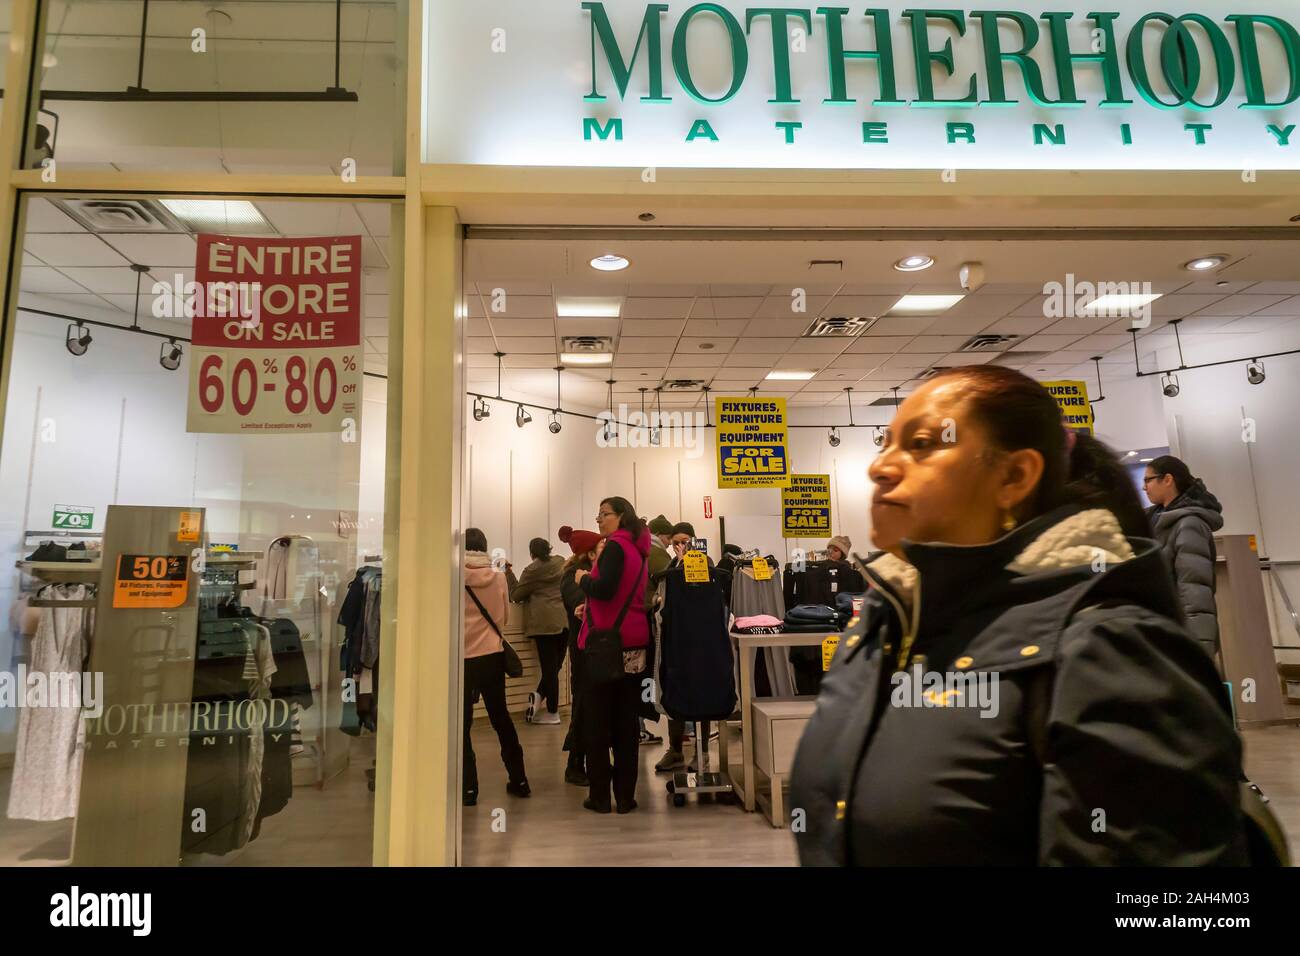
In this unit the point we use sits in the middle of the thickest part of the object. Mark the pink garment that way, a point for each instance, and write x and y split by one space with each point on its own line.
603 614
758 620
490 587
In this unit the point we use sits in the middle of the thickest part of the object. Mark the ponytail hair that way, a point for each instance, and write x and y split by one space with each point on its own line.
1019 413
1169 465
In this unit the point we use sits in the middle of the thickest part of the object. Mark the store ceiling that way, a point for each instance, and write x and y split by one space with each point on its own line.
721 312
68 269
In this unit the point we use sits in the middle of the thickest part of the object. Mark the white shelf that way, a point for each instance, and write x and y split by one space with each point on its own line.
62 570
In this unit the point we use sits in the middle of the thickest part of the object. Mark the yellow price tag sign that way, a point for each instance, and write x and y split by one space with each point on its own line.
696 564
762 570
828 650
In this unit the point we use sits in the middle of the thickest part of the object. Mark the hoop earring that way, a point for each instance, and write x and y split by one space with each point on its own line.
1008 521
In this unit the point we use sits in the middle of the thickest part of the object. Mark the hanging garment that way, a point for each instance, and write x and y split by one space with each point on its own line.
821 582
750 597
694 665
47 762
370 623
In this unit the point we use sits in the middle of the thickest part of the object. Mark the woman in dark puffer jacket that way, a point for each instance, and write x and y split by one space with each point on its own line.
1185 516
1018 689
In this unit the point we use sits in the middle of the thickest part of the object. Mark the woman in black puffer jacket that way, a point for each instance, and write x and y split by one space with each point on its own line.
1018 689
1185 516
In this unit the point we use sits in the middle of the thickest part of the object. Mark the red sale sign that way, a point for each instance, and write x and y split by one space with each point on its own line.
277 341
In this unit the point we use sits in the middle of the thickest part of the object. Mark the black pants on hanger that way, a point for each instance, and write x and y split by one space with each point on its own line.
610 721
550 657
486 676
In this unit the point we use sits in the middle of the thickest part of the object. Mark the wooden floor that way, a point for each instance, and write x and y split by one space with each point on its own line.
333 827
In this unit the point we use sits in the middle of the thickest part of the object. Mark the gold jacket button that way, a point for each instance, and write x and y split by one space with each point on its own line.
1029 650
853 639
963 662
840 807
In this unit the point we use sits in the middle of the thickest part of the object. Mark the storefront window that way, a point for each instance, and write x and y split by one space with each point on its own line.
263 87
193 497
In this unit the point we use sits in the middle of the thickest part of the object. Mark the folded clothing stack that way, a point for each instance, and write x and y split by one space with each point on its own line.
814 617
757 624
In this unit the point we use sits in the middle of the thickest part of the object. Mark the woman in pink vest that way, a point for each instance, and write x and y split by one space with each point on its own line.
618 579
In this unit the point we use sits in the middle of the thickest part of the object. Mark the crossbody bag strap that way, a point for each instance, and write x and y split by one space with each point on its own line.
618 624
482 610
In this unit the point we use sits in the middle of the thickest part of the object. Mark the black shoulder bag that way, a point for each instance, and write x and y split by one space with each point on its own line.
604 650
514 666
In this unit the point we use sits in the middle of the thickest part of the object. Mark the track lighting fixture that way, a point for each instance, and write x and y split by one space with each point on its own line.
878 438
170 355
554 424
522 417
1169 385
481 409
78 339
834 437
1255 372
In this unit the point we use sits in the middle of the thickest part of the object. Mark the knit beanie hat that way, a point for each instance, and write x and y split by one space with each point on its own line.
579 542
660 525
843 543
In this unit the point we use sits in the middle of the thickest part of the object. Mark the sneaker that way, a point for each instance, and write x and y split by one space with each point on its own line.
546 717
649 738
627 807
594 807
576 776
520 789
671 760
534 702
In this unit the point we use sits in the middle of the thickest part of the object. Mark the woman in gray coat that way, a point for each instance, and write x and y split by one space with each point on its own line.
1184 516
545 621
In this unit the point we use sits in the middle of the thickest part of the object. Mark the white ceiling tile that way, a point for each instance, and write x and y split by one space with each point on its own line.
691 372
653 327
377 216
375 306
522 327
156 251
374 253
374 326
752 359
1250 325
519 306
1245 304
860 305
693 346
111 280
637 307
634 343
959 325
858 361
712 329
44 216
1291 287
1043 343
488 288
530 360
934 343
535 345
739 291
901 325
652 290
477 327
883 344
311 217
911 362
1097 344
988 306
1022 325
827 345
1288 306
958 359
1079 327
45 279
785 307
1177 305
74 250
377 343
642 359
476 344
776 328
765 344
698 360
735 307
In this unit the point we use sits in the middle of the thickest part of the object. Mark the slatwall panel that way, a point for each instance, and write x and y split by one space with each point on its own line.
517 688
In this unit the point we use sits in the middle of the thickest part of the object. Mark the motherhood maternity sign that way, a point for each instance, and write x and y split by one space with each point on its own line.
752 443
277 335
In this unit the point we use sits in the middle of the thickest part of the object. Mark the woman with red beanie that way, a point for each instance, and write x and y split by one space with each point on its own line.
583 545
615 590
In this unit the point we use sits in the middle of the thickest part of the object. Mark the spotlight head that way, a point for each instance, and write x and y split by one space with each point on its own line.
878 438
554 424
1255 372
655 437
170 355
481 409
1170 386
78 339
834 438
522 417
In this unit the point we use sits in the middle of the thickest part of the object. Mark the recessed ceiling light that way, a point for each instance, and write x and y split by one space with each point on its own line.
1205 263
1119 305
1131 454
1145 460
610 263
785 375
924 304
914 263
218 215
588 307
586 358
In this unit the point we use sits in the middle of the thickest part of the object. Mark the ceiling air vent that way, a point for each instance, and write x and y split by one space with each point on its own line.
884 400
989 342
119 215
930 372
837 327
587 344
682 385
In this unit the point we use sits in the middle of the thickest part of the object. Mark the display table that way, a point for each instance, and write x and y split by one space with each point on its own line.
747 645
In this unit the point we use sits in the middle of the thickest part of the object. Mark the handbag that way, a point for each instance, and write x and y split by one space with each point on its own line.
604 650
514 666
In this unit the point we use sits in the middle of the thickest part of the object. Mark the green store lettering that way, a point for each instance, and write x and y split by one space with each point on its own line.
1181 63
